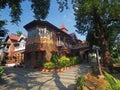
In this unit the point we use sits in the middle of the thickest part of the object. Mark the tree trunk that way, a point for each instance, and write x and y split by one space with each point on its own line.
107 59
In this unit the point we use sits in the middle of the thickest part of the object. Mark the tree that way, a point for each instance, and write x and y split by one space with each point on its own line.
18 33
100 19
3 33
39 7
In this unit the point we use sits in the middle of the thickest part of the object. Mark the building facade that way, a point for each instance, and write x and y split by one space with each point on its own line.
13 50
45 38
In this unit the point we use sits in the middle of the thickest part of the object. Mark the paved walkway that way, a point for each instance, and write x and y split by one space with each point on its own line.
26 79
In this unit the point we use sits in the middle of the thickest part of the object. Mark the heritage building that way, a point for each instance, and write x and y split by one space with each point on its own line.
45 38
13 50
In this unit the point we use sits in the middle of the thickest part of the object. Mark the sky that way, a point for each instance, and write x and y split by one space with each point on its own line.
55 17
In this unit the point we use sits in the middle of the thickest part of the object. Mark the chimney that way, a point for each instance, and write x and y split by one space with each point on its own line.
63 28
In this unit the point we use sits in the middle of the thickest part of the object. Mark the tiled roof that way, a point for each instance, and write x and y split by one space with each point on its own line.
13 37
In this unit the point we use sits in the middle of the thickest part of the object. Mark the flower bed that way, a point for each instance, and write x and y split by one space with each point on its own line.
60 65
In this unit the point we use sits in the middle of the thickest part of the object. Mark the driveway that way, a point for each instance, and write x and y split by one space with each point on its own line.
29 79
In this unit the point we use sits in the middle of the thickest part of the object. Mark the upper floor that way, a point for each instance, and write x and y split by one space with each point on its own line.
44 32
14 43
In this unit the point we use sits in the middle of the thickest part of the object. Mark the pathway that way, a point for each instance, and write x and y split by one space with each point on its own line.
27 79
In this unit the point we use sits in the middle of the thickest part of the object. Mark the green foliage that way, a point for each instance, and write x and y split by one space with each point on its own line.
49 65
80 82
40 62
15 7
3 32
63 61
86 11
3 62
54 57
1 70
74 60
39 7
113 83
115 60
97 19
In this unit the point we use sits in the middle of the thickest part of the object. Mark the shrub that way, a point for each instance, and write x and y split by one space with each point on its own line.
3 62
40 62
54 57
115 60
74 60
80 83
49 65
113 83
1 70
63 61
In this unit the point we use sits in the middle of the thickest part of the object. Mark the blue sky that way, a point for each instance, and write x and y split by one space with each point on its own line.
55 17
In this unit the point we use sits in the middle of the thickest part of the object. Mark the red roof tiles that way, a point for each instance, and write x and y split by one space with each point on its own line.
13 37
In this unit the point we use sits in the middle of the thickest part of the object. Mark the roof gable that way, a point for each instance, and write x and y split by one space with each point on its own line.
35 23
13 37
23 36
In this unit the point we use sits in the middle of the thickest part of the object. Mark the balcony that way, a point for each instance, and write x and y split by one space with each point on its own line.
19 48
6 50
60 43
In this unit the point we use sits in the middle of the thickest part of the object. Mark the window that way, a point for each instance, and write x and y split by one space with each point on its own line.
7 46
41 33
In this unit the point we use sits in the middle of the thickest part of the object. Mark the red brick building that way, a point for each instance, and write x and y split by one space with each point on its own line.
45 38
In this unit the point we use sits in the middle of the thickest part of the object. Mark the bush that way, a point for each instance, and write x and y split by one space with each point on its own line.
74 60
63 62
54 57
3 62
40 62
49 65
113 83
80 83
1 70
115 60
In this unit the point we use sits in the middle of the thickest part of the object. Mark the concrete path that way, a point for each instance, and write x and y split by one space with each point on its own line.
26 79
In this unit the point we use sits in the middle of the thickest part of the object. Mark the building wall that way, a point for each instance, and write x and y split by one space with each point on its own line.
13 55
44 38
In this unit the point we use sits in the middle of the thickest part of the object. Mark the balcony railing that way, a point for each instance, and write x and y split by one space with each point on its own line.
21 48
60 43
6 50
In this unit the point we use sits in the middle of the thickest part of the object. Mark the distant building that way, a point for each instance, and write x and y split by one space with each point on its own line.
13 50
45 38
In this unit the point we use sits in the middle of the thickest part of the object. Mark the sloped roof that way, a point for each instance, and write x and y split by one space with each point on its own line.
35 23
13 37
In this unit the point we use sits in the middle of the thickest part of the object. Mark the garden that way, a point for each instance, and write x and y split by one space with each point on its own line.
60 64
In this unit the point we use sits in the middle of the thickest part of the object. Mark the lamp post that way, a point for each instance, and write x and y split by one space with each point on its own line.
97 57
